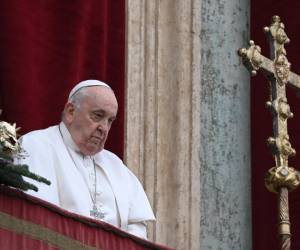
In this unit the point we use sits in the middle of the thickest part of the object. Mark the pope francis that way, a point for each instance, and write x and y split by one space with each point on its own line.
86 178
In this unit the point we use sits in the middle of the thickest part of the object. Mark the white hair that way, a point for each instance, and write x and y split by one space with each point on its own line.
77 98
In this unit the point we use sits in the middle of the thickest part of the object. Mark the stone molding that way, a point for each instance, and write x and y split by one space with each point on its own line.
162 130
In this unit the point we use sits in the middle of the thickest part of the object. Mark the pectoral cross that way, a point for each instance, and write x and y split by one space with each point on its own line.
96 214
280 179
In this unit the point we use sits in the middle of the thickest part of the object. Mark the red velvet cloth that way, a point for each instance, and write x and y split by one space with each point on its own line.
265 203
31 212
48 46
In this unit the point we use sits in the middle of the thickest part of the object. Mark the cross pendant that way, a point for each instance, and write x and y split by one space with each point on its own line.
96 214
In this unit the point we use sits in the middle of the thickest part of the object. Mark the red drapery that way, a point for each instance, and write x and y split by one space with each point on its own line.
47 46
30 223
265 203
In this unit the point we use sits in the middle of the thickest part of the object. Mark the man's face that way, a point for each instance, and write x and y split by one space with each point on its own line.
90 123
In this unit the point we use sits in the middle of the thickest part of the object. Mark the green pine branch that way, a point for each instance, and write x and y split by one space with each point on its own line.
12 175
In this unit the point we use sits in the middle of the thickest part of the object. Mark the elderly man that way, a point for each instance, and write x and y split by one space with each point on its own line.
86 178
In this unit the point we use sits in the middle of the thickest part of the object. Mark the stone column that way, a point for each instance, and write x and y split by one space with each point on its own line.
174 101
162 133
225 127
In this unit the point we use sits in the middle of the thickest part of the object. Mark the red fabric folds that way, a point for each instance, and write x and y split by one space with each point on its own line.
48 46
30 223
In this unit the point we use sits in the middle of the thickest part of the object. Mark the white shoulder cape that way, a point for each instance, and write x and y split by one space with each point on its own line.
49 158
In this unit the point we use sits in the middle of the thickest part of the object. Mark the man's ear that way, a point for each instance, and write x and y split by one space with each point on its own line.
69 112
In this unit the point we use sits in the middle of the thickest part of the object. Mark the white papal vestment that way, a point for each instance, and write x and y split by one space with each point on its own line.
118 194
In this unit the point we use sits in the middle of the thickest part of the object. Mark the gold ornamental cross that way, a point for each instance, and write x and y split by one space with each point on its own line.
282 178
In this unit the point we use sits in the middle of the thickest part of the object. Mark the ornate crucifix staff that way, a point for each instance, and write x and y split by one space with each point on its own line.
280 179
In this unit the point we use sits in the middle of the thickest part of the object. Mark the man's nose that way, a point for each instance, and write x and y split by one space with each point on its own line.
103 125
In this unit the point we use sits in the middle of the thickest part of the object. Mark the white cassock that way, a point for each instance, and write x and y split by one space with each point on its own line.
79 183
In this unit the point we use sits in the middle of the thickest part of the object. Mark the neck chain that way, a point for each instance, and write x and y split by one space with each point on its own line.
94 212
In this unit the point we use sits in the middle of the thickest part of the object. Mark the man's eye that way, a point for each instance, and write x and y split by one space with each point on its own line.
97 116
111 120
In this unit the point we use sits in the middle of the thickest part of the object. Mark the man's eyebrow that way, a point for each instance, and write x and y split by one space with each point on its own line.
99 111
102 111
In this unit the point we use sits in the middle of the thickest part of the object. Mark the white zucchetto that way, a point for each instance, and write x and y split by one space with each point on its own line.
87 83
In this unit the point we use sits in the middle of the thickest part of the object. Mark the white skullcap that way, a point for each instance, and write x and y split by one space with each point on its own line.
86 83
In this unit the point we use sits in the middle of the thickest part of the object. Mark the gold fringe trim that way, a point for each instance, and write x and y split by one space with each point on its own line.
41 233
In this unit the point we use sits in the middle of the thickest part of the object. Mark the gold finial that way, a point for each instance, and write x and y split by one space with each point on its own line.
266 29
275 19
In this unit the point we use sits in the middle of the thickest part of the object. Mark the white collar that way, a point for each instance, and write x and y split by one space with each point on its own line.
67 138
69 142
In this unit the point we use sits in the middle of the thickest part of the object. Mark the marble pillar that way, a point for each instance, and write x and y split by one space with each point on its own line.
187 119
225 127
